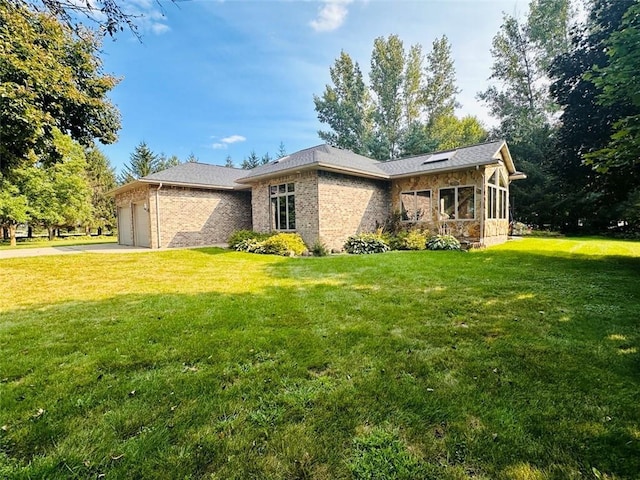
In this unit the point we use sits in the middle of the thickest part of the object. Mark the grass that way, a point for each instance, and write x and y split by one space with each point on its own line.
70 241
518 362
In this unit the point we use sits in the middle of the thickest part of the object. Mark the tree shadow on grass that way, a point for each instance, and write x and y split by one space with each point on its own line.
142 385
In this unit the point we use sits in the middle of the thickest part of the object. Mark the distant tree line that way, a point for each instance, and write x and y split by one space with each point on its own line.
408 107
565 96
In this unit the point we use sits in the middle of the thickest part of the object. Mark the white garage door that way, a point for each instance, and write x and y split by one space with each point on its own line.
125 236
141 225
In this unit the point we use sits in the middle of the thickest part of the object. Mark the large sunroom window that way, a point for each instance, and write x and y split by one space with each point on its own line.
457 203
497 195
283 206
416 205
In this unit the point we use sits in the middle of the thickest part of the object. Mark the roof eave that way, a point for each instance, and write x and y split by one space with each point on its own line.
313 166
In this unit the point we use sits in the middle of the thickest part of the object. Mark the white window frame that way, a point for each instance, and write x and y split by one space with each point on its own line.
279 197
456 216
422 218
497 198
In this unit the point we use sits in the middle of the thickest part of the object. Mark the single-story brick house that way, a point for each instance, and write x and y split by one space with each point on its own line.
325 194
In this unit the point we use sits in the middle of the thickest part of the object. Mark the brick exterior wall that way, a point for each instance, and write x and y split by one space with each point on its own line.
350 205
306 201
191 217
126 200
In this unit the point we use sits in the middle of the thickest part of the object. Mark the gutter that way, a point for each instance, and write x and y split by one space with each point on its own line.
158 215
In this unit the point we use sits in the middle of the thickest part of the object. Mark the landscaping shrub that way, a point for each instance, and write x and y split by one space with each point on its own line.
415 240
285 244
443 242
365 243
240 236
319 249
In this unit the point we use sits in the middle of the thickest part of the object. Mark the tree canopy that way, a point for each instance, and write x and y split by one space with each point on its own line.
50 78
408 108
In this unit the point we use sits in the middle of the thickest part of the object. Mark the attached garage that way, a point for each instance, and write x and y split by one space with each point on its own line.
191 204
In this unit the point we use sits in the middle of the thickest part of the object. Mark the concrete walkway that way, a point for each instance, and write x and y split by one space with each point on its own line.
67 250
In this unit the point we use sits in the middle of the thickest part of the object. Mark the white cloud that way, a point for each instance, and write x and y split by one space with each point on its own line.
159 28
226 141
331 15
233 139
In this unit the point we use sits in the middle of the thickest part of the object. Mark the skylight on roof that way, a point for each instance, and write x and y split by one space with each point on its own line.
439 157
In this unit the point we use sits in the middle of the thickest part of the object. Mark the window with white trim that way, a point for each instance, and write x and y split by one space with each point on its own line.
457 203
497 196
415 206
283 206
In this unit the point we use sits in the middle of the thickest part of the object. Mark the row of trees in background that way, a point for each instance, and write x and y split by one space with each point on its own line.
565 97
408 107
54 108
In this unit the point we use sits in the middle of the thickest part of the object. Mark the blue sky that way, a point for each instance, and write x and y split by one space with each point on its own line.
217 78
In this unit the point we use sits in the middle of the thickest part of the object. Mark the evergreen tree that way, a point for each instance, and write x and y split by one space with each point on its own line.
102 178
142 162
228 162
251 161
282 152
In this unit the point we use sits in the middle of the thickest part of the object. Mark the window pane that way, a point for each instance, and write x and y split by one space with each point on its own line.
291 203
282 188
273 189
290 187
408 205
494 178
282 213
490 202
274 214
448 203
466 202
423 205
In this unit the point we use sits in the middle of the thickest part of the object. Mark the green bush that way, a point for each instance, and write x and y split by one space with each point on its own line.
415 240
240 236
365 243
443 242
285 244
319 249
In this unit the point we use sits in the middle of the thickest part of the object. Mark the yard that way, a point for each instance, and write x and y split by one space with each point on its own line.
518 362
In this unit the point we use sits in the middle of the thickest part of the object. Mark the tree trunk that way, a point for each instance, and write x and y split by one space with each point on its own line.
5 233
99 231
12 234
52 233
29 231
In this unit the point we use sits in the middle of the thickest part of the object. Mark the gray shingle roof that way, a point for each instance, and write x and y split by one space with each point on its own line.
198 174
320 156
455 159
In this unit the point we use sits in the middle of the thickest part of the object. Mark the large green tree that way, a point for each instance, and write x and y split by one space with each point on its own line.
50 78
102 178
440 90
387 80
344 107
519 99
619 84
594 198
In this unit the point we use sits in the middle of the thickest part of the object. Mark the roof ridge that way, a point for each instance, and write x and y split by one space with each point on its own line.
455 149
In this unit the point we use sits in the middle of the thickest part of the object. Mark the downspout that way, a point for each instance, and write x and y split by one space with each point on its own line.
158 214
482 210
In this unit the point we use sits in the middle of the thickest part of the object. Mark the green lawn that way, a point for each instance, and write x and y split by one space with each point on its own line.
518 362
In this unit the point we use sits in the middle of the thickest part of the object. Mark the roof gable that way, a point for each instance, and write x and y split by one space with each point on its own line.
324 157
